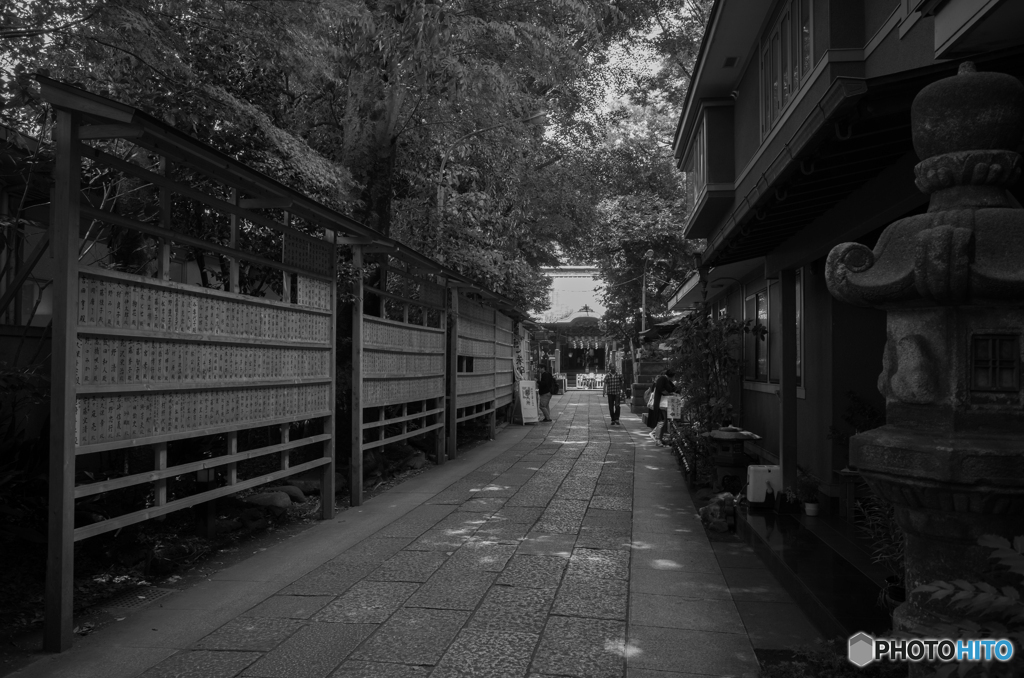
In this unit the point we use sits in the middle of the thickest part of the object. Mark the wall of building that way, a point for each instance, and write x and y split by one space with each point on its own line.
570 291
896 54
814 402
846 24
820 17
840 352
746 115
876 13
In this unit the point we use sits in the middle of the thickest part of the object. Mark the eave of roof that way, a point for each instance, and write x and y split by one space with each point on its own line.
733 25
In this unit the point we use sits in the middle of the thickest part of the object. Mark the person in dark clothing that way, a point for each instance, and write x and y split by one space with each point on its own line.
663 386
613 389
544 390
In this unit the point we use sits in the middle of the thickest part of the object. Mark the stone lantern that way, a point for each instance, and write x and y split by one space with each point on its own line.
951 456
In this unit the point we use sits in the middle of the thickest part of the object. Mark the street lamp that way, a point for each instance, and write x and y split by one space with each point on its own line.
538 118
643 319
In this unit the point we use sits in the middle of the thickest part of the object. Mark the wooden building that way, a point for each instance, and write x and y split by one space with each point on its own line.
795 136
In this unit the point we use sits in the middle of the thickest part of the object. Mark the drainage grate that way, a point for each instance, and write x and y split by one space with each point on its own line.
135 596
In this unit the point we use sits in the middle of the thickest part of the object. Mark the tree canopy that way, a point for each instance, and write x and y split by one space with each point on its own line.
360 103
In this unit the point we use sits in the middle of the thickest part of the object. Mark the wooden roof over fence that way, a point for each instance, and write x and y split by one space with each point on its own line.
105 118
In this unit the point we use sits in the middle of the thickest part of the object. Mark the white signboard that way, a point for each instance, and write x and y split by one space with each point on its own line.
526 401
673 406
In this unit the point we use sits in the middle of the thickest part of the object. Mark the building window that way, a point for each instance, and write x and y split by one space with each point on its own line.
718 310
995 363
763 355
696 167
785 60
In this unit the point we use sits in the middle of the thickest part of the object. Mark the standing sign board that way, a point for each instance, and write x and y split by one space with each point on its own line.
526 403
673 407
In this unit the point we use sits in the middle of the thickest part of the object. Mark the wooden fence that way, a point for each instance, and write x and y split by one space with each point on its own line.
144 356
398 359
482 341
140 361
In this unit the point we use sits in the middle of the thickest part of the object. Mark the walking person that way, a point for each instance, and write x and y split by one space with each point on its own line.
613 389
663 386
544 390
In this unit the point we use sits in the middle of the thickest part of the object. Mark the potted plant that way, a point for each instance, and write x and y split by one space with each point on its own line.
809 494
787 501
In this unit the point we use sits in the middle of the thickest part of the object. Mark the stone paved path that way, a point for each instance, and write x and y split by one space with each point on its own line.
573 552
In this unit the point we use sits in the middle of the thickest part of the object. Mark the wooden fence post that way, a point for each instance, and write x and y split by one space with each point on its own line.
453 376
234 288
492 419
355 481
60 558
331 422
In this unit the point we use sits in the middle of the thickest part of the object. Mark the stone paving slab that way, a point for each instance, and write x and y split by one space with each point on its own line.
599 564
313 652
506 533
582 648
290 607
359 669
412 566
673 612
482 555
202 664
413 636
533 572
588 597
678 650
528 564
250 633
368 602
454 590
441 540
514 609
547 544
478 653
330 579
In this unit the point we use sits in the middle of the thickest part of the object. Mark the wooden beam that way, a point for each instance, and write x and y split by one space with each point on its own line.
110 132
181 238
193 433
60 564
189 192
191 467
265 203
880 201
355 480
381 441
191 500
345 240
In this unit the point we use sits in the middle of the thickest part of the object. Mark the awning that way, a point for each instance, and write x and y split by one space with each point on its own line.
718 278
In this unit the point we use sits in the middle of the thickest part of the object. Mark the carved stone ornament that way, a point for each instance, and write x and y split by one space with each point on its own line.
969 246
950 458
